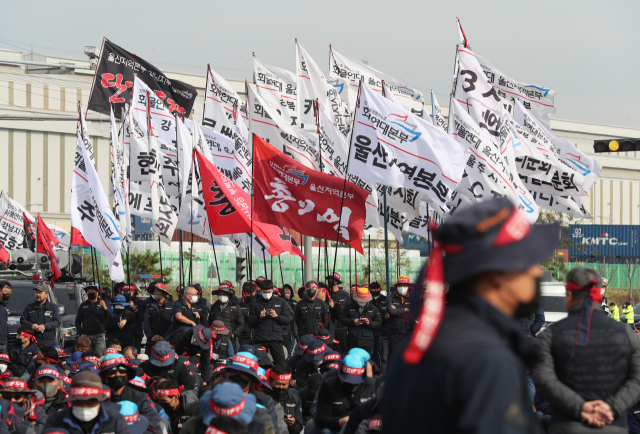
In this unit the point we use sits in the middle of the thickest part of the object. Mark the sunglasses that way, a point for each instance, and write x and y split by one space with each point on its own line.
119 369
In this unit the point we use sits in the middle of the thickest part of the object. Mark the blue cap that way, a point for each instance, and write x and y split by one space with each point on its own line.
315 350
120 300
360 352
138 424
85 366
47 371
352 369
162 354
75 358
244 362
303 343
227 399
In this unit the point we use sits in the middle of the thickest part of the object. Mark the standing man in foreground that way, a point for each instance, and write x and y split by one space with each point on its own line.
590 364
5 294
91 319
464 368
42 316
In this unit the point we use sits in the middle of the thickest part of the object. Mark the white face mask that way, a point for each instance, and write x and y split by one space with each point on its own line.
85 414
383 293
402 290
223 299
267 295
3 367
602 291
194 299
362 303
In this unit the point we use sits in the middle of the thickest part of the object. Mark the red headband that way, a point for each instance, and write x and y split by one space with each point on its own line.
111 362
218 369
85 391
352 371
584 322
137 383
245 361
331 356
317 350
131 418
110 351
4 357
217 329
159 357
228 411
279 377
16 384
48 371
27 335
592 287
333 366
168 392
89 359
214 430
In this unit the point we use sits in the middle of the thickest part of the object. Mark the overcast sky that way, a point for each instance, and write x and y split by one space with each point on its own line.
585 50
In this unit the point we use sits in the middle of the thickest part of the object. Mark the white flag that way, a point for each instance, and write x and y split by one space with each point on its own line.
222 104
394 147
277 86
86 140
185 149
91 213
436 114
12 223
164 218
118 185
345 67
563 204
265 121
538 99
242 157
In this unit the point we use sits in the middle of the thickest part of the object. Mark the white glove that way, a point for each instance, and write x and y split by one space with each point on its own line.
214 356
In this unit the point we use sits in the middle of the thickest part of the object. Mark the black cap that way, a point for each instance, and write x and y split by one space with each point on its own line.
266 284
493 236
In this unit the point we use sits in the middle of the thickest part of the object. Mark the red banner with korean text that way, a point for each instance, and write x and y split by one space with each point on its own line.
289 194
229 211
45 245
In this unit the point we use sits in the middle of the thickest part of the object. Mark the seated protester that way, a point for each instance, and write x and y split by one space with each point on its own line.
138 424
137 383
82 344
5 367
115 373
47 356
130 352
222 343
179 404
372 369
228 400
308 393
11 419
324 336
114 347
365 411
279 378
243 370
122 324
87 415
162 363
263 386
193 341
17 392
218 374
340 394
302 345
158 314
310 362
84 366
91 356
47 380
21 352
362 319
228 425
72 362
330 361
264 361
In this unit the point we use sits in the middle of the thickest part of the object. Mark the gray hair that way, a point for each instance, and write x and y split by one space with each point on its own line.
582 276
134 350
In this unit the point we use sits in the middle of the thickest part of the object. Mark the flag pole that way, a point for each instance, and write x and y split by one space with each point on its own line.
320 167
346 175
128 193
180 264
215 256
386 240
193 163
264 262
246 86
282 274
369 265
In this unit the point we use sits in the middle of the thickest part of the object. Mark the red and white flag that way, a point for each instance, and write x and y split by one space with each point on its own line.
288 194
46 241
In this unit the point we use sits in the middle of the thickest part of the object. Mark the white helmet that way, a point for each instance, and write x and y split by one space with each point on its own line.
605 282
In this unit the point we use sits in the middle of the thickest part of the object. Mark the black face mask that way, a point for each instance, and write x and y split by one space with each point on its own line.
239 380
92 296
526 310
117 382
249 298
311 293
349 388
6 297
158 297
277 393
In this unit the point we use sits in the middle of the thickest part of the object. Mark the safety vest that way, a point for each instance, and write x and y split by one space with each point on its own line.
615 313
628 314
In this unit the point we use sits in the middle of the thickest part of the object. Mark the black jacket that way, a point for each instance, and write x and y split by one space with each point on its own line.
47 314
59 402
472 379
4 323
306 399
91 318
269 404
311 316
381 304
177 372
21 357
188 408
230 315
303 371
340 299
109 421
292 406
180 340
396 305
245 304
260 424
334 403
126 334
363 334
157 319
142 401
203 306
268 328
606 368
365 411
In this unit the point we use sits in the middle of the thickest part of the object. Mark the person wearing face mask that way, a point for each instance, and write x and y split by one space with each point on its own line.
158 315
17 392
185 313
115 373
398 307
42 316
340 394
310 362
339 299
121 326
267 315
225 309
179 404
489 254
136 305
87 415
202 305
380 337
91 319
278 378
163 363
248 297
22 351
5 294
222 345
48 381
5 367
362 319
311 313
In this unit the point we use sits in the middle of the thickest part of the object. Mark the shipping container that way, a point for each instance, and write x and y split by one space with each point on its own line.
607 242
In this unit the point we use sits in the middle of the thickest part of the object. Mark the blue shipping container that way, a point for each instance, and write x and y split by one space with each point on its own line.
604 241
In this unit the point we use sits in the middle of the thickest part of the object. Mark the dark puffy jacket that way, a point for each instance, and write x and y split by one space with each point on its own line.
269 404
177 372
260 424
396 305
203 306
142 401
230 315
21 357
311 316
59 402
245 305
109 422
91 318
47 314
37 416
334 403
472 378
340 299
606 368
292 405
4 323
157 319
362 333
181 339
268 328
189 407
381 304
126 334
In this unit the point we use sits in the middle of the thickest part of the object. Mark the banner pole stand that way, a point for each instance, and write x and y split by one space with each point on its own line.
281 273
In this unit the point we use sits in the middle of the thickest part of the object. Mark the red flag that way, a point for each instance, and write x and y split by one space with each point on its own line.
44 236
29 241
77 239
229 211
4 255
288 194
